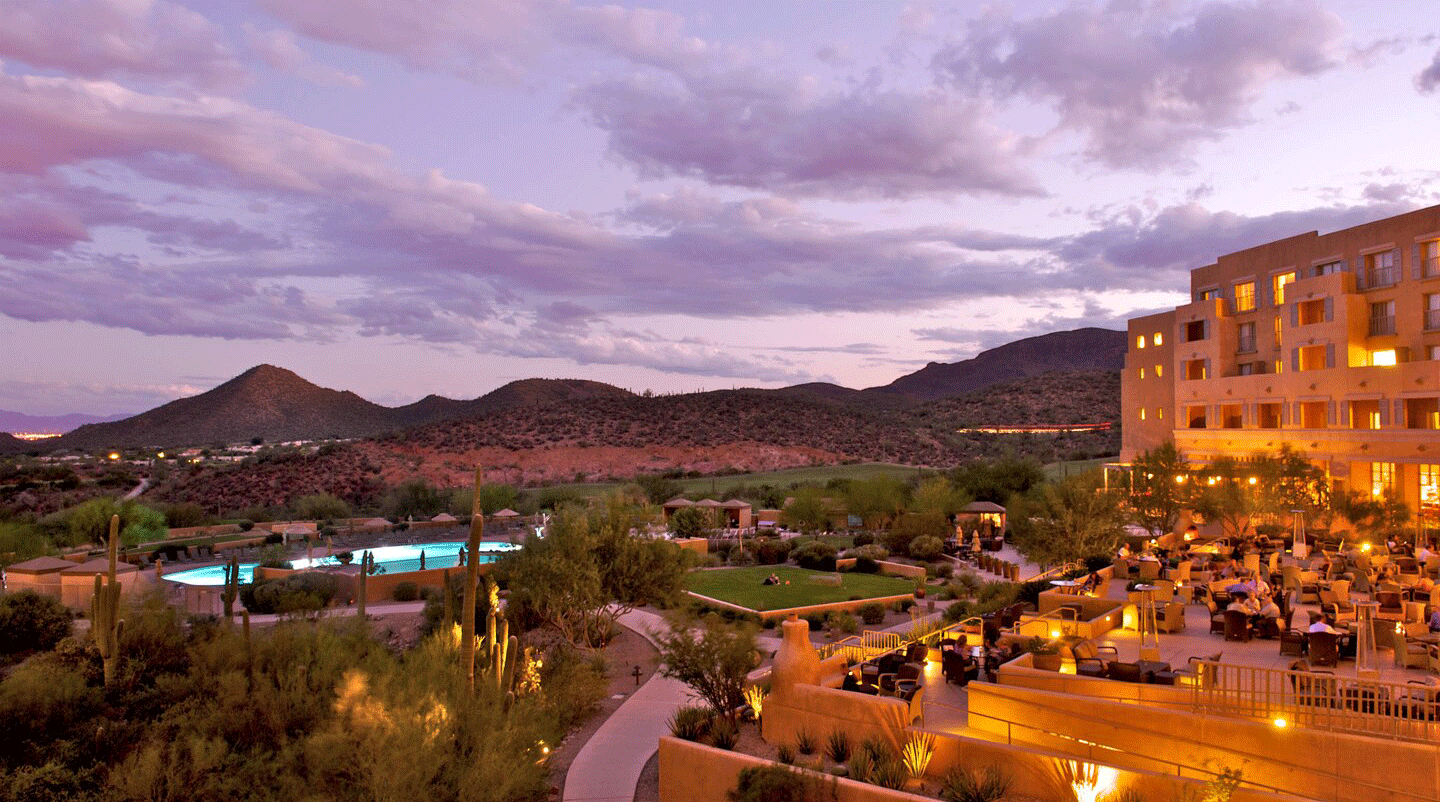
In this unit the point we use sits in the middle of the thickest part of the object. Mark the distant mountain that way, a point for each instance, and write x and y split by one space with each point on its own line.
1079 350
49 424
10 444
277 405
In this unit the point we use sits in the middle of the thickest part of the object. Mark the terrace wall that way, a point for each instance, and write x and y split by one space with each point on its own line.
886 567
809 609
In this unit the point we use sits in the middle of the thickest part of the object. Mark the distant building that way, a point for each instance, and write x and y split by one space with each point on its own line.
1328 342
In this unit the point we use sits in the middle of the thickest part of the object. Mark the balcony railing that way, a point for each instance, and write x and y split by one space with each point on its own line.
1377 277
1245 345
1432 319
1430 266
1380 326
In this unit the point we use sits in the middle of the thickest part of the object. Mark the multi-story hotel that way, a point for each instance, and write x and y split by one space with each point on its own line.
1330 342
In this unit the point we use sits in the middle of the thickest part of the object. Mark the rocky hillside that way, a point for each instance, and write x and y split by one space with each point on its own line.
1079 350
10 444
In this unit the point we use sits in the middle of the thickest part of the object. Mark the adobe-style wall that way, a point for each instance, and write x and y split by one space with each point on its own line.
848 606
887 568
699 545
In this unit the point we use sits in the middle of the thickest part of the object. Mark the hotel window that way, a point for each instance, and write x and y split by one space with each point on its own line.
1381 270
1314 414
1384 359
1279 365
1308 312
1329 268
1432 352
1382 477
1279 282
1245 296
1195 416
1250 368
1268 415
1140 341
1231 416
1142 373
1142 413
1210 294
1429 490
1157 339
1364 414
1159 371
1245 338
1382 318
1422 413
1196 369
1428 255
1312 357
1432 311
1159 413
1195 331
1277 331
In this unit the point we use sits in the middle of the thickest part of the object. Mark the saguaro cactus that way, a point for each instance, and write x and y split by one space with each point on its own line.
472 563
499 647
105 623
367 565
232 587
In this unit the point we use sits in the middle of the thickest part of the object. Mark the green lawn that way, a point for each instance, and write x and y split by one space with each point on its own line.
743 586
1057 470
717 485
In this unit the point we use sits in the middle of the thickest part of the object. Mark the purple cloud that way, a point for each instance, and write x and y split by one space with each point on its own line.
1429 78
1141 81
150 41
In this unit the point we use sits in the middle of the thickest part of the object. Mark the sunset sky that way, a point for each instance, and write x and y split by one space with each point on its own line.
400 198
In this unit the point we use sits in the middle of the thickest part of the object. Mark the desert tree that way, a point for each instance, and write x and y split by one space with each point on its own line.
1068 520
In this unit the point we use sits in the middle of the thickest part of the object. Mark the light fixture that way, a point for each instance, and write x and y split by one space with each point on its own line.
1280 723
1253 480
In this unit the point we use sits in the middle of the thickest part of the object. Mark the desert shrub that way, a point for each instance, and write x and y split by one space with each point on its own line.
274 539
862 766
815 620
274 557
724 548
691 722
785 753
804 743
296 593
837 746
903 605
815 555
871 551
863 538
245 524
405 592
741 557
944 570
1029 592
968 785
958 611
842 622
890 774
877 748
185 514
776 784
926 547
770 550
724 734
31 623
872 613
967 584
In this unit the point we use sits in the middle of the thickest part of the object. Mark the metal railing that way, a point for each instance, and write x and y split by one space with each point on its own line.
1245 345
1377 277
1432 319
1382 325
1429 266
1320 700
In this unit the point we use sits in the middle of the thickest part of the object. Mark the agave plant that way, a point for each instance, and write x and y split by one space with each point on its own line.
837 746
917 753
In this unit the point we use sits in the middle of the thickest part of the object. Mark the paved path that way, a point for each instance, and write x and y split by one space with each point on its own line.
609 764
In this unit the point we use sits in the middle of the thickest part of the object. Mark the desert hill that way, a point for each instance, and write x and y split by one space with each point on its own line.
10 444
1079 350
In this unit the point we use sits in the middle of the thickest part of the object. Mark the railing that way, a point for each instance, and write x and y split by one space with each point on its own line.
1382 325
1377 277
1320 700
1432 319
1245 345
1429 266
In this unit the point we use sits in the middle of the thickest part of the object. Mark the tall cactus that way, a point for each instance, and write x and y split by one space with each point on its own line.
499 647
367 564
232 587
472 562
448 600
105 623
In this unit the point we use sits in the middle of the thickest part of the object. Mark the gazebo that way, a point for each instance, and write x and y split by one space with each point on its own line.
77 583
41 575
978 513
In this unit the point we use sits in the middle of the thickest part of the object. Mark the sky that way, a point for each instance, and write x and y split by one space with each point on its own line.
442 196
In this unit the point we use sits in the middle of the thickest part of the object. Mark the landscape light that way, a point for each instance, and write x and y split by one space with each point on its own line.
114 455
1280 723
1253 480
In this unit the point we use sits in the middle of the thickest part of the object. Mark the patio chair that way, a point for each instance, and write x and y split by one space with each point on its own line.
1324 648
1195 668
1292 640
1407 565
1237 626
1392 605
1120 570
958 668
1332 605
1409 653
1170 617
1217 617
1089 663
1149 570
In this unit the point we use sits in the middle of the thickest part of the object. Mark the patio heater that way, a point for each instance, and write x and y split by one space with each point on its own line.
1367 662
1146 623
1300 549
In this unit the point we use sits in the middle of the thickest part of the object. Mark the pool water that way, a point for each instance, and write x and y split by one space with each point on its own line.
392 559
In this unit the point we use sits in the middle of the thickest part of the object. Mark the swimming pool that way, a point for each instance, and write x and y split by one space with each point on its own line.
393 559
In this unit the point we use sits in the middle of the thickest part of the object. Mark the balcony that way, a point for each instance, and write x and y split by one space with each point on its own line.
1245 345
1381 326
1375 277
1429 266
1432 319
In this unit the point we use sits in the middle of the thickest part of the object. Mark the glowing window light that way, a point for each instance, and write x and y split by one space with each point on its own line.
1384 358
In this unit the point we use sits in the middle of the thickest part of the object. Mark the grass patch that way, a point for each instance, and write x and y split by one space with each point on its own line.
743 586
1058 470
819 474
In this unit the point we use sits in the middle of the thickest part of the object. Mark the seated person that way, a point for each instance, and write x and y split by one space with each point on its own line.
1091 583
1268 608
1124 552
1319 623
1435 620
1426 584
1423 553
771 580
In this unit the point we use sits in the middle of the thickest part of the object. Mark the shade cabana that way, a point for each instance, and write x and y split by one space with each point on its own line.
41 575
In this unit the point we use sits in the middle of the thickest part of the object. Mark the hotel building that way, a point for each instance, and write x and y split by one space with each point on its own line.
1330 342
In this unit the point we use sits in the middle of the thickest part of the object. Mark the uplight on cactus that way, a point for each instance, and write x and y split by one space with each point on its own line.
755 697
917 753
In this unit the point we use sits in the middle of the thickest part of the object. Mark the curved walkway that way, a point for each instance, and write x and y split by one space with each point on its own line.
608 766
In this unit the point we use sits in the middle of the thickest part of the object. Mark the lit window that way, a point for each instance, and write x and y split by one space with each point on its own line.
1382 477
1160 413
1432 352
1209 295
1277 331
1142 413
1157 338
1140 341
1279 364
1384 358
1429 490
1142 373
1279 283
1432 311
1159 371
1245 296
